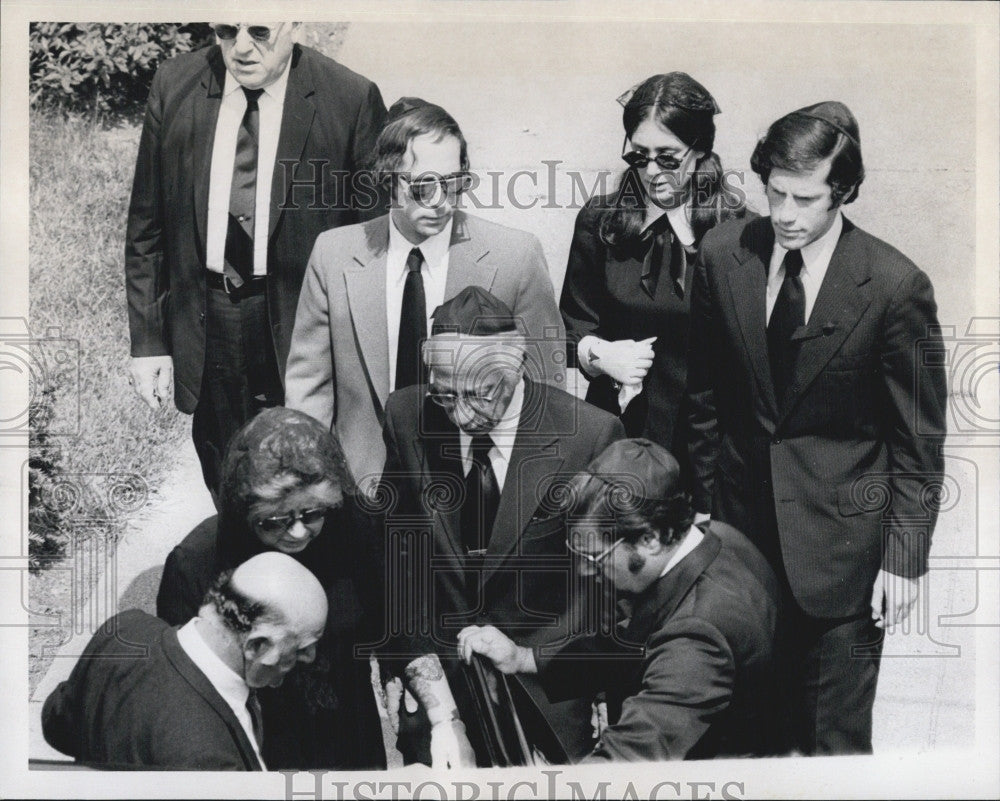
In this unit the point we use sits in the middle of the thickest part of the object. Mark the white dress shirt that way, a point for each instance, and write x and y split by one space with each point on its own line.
234 104
434 271
503 436
815 261
691 541
227 683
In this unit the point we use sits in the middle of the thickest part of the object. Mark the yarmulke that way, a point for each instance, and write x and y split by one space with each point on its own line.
641 467
473 312
677 89
404 106
834 114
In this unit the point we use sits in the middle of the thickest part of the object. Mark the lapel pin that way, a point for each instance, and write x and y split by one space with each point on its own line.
829 328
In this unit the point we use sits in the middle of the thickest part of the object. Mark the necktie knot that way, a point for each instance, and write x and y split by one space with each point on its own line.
253 95
793 263
481 446
415 260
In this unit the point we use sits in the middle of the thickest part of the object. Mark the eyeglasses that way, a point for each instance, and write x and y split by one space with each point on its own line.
448 400
430 188
259 33
594 560
665 161
281 523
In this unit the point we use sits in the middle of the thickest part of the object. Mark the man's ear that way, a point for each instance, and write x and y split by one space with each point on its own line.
649 543
256 647
297 32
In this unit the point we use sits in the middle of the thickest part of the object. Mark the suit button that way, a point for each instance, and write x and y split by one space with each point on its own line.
201 317
777 441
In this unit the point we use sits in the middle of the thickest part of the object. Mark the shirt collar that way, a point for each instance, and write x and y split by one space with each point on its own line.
691 541
679 218
275 89
434 248
229 684
819 251
504 433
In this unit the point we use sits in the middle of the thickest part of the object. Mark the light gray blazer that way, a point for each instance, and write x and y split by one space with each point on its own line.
338 367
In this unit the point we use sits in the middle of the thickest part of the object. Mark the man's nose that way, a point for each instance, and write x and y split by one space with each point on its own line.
587 568
243 42
784 211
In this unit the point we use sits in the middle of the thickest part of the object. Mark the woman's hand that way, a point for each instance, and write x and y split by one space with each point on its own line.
625 360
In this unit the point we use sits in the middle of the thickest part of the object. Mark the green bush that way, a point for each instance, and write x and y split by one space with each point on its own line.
101 68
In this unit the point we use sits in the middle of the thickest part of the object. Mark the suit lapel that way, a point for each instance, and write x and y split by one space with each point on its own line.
439 454
533 460
468 263
662 599
365 285
183 664
748 285
205 112
296 119
843 297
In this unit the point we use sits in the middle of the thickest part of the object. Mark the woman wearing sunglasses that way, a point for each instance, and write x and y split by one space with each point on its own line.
285 487
625 299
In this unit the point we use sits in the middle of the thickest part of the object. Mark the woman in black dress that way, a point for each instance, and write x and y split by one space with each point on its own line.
285 486
625 300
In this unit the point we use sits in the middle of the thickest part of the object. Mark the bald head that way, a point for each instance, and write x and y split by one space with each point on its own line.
269 614
289 591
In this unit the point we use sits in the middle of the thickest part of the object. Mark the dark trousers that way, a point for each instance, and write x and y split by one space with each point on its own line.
827 671
240 376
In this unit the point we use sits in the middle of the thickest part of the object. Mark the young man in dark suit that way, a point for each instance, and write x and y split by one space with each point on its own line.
690 675
475 462
145 695
817 432
249 150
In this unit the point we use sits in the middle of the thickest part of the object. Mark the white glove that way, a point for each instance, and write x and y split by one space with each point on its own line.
625 360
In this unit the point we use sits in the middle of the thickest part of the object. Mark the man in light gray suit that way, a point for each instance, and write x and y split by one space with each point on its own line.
370 288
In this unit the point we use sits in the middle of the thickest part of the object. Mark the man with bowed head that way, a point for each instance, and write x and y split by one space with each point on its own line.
148 695
805 388
498 442
690 675
247 148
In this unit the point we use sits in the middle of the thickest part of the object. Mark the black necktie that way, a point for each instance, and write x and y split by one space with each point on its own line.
482 496
256 719
412 324
789 313
243 195
664 249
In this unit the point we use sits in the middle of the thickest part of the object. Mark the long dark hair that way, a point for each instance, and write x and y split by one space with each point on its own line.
686 108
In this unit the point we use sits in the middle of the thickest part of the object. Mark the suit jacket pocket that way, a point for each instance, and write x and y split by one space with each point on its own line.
544 535
857 499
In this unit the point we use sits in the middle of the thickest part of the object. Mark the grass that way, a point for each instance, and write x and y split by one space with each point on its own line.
105 452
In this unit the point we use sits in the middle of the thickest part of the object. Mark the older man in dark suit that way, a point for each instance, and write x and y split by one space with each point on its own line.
690 675
475 462
249 150
818 431
145 695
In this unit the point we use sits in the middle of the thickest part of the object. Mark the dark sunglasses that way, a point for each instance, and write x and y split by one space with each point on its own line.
426 188
280 524
665 161
259 33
